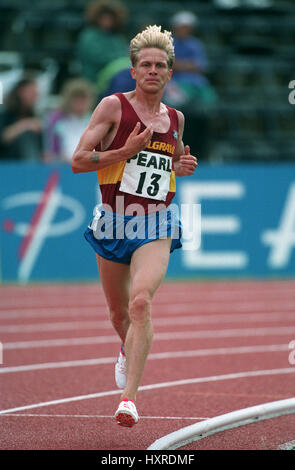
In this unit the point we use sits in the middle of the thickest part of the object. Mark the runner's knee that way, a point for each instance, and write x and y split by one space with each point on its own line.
139 307
118 315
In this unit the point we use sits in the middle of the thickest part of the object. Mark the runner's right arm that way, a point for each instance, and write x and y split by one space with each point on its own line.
104 117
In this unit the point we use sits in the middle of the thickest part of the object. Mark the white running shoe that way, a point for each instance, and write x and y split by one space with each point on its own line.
120 370
126 414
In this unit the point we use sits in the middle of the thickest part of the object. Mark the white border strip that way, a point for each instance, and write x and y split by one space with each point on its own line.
230 420
27 415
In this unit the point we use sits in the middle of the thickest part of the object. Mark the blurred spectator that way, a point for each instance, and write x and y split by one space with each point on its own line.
115 77
64 126
100 42
191 63
20 128
189 89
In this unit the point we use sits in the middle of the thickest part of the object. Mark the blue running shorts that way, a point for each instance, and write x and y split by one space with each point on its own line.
116 236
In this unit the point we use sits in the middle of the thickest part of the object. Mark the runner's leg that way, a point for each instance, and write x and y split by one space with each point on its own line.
148 268
115 279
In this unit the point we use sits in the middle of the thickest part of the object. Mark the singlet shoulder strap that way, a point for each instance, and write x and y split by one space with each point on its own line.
124 101
173 117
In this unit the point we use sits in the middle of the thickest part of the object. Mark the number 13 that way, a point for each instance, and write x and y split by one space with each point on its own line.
153 189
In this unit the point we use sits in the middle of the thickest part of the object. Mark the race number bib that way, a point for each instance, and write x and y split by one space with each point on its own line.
147 174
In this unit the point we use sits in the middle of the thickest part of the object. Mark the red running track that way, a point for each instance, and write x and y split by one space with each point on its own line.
218 347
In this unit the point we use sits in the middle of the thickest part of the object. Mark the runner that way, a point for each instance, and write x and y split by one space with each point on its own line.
134 142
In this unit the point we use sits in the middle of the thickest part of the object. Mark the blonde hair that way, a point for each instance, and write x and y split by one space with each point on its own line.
152 36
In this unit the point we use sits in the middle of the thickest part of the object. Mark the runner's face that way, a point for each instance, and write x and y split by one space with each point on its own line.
151 71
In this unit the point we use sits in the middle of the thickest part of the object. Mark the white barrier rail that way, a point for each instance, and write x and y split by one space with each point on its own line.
223 422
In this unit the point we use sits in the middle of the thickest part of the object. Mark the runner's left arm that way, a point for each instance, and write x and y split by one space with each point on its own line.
184 163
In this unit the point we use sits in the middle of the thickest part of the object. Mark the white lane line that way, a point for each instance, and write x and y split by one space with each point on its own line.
172 307
180 335
100 416
58 365
214 378
215 287
181 320
153 356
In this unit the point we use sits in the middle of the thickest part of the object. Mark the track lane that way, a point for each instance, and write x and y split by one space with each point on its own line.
220 300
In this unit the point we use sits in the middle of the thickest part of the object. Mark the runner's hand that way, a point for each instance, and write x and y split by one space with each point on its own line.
186 164
137 142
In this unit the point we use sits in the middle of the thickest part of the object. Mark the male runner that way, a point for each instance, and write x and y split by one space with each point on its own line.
131 269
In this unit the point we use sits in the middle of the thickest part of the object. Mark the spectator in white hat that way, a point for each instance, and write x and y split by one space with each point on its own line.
191 62
189 89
